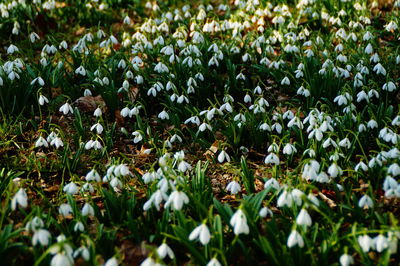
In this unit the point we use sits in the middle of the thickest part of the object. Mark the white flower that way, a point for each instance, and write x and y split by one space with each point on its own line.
61 260
202 233
213 262
365 242
272 183
33 37
138 136
346 260
97 112
149 262
285 81
295 239
42 99
41 142
285 199
184 166
365 202
35 224
394 169
389 86
289 149
264 212
223 156
177 199
79 227
334 170
93 176
65 209
66 108
391 26
163 115
156 198
304 218
272 158
239 223
87 210
81 70
111 262
380 243
12 49
42 237
85 254
71 188
20 199
165 250
233 187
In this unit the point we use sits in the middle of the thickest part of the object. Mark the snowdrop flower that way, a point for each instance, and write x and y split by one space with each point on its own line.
41 142
264 212
85 254
389 86
116 184
365 202
394 169
97 112
295 239
81 70
202 233
223 156
38 80
163 115
87 210
272 183
176 200
156 199
285 81
79 227
345 143
304 218
93 175
42 237
214 262
61 260
33 37
138 136
380 243
66 108
165 250
391 26
204 126
372 124
42 99
20 199
233 187
346 260
65 209
149 261
361 166
365 242
35 224
12 49
184 166
98 127
289 149
285 199
247 98
71 188
272 158
334 170
239 223
379 69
